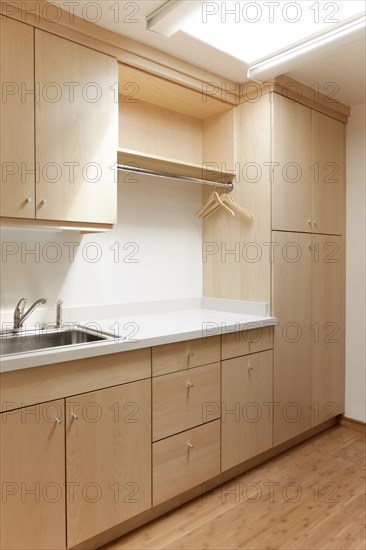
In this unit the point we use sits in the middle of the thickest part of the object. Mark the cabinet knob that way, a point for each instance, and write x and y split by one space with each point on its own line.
315 223
43 202
57 421
189 385
74 417
309 222
28 200
189 446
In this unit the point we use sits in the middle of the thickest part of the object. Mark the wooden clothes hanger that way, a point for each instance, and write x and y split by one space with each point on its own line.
216 201
213 203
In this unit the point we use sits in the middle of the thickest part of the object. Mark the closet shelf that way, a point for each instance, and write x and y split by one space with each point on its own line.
204 171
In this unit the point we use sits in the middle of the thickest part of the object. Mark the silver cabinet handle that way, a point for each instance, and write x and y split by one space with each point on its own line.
57 421
74 417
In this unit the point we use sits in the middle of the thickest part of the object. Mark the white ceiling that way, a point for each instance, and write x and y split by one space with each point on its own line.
342 71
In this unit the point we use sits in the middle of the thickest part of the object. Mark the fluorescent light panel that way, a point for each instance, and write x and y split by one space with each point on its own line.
251 31
269 67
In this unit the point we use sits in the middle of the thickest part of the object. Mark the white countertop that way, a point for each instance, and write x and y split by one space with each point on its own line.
132 328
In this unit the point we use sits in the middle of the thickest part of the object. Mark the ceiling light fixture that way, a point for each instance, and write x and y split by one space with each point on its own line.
171 16
287 60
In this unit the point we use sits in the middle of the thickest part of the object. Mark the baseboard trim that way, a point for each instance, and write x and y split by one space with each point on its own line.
352 423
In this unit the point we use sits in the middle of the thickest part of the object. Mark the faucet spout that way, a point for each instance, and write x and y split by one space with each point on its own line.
20 315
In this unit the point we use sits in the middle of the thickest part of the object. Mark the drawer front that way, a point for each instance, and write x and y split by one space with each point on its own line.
185 460
185 399
244 342
184 355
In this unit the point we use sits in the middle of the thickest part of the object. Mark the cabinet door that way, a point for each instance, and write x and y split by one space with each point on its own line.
292 343
17 119
32 453
327 328
247 408
291 158
108 458
76 131
328 163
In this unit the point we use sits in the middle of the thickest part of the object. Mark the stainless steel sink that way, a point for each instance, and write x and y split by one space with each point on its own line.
37 340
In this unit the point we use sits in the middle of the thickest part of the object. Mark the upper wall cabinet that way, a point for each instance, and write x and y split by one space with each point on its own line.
76 131
17 119
166 127
308 163
59 131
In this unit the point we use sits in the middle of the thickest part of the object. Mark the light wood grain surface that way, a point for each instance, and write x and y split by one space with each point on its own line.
182 400
32 455
108 458
17 119
310 497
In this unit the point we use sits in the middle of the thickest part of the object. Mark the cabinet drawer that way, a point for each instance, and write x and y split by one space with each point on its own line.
185 460
244 342
185 399
183 355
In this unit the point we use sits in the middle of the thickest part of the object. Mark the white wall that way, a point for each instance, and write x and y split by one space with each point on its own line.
355 267
163 261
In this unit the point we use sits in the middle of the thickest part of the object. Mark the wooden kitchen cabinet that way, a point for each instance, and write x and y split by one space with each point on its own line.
76 131
328 174
308 161
59 131
247 408
243 342
108 458
291 158
185 355
185 460
327 328
186 399
308 342
17 119
32 475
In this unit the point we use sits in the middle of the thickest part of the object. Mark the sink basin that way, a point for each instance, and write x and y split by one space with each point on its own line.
26 341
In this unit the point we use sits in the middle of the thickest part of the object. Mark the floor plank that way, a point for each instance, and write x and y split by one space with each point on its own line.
311 497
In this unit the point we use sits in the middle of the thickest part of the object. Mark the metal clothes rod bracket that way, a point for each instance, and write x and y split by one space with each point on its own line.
124 167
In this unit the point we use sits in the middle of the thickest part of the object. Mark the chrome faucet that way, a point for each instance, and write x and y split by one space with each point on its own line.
59 314
20 316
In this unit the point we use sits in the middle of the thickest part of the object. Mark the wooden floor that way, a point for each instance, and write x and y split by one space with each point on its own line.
310 497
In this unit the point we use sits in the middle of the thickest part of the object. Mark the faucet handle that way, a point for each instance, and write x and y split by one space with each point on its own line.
21 305
59 313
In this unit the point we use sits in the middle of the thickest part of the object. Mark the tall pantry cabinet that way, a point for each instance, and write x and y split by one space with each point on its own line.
308 199
290 164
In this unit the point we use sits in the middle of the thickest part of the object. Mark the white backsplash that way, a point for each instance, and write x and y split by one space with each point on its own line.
154 253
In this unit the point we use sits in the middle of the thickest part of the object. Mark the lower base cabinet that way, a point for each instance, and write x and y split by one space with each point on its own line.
182 461
32 455
108 458
247 407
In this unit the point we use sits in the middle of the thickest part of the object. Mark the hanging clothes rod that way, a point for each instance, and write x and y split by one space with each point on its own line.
124 167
